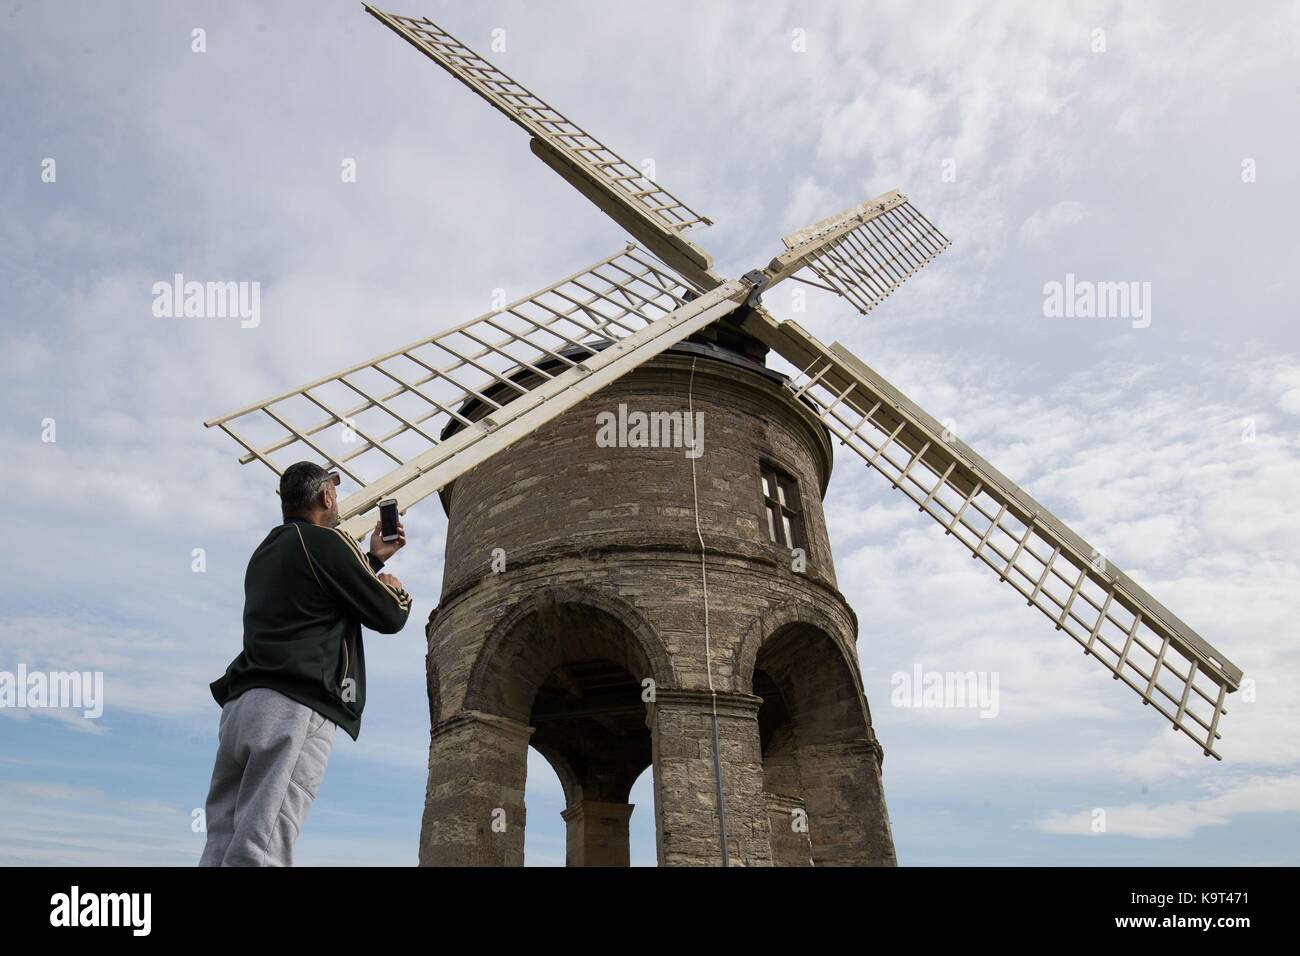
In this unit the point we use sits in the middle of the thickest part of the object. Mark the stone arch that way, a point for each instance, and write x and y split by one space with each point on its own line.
819 690
569 781
565 665
784 616
492 689
819 754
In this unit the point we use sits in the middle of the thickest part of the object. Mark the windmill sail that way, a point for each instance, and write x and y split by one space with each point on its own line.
866 252
1113 619
384 423
654 216
417 417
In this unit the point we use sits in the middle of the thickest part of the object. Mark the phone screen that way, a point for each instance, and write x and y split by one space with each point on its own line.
388 519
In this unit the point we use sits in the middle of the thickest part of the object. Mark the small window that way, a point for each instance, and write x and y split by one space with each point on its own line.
781 505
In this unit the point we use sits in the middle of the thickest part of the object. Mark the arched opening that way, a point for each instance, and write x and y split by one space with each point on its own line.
642 835
574 673
589 723
820 780
544 838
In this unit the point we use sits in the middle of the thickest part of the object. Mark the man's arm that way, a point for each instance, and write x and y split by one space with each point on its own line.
352 577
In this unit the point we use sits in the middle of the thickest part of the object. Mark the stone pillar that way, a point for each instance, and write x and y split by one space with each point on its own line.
788 819
474 803
598 834
685 786
847 818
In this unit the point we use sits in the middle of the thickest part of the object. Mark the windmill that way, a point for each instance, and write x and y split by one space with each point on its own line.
414 420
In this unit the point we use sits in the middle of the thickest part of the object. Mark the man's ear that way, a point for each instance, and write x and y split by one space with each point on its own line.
328 495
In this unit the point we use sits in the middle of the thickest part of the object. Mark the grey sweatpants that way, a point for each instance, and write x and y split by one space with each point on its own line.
271 758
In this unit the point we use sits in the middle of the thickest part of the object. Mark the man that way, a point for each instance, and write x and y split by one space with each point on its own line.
307 591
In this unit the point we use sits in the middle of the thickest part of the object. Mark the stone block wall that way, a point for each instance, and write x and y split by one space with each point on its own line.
602 562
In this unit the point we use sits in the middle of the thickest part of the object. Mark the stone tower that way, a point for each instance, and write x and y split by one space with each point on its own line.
590 644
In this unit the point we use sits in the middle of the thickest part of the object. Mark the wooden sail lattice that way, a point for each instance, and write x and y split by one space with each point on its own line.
544 121
377 421
866 252
1107 614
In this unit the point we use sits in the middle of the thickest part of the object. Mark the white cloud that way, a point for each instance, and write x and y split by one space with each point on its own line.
144 671
1181 820
43 824
1049 222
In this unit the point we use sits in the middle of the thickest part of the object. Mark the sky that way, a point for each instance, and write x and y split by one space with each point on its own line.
1150 143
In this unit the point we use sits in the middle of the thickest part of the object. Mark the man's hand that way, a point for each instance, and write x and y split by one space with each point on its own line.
383 550
391 581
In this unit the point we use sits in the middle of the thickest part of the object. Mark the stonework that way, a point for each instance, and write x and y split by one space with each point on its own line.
589 644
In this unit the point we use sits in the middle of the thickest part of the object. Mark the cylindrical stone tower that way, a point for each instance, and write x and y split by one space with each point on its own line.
573 619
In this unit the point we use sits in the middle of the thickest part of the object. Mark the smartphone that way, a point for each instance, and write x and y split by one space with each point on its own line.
388 519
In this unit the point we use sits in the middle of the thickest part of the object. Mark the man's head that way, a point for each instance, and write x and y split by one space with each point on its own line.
309 491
